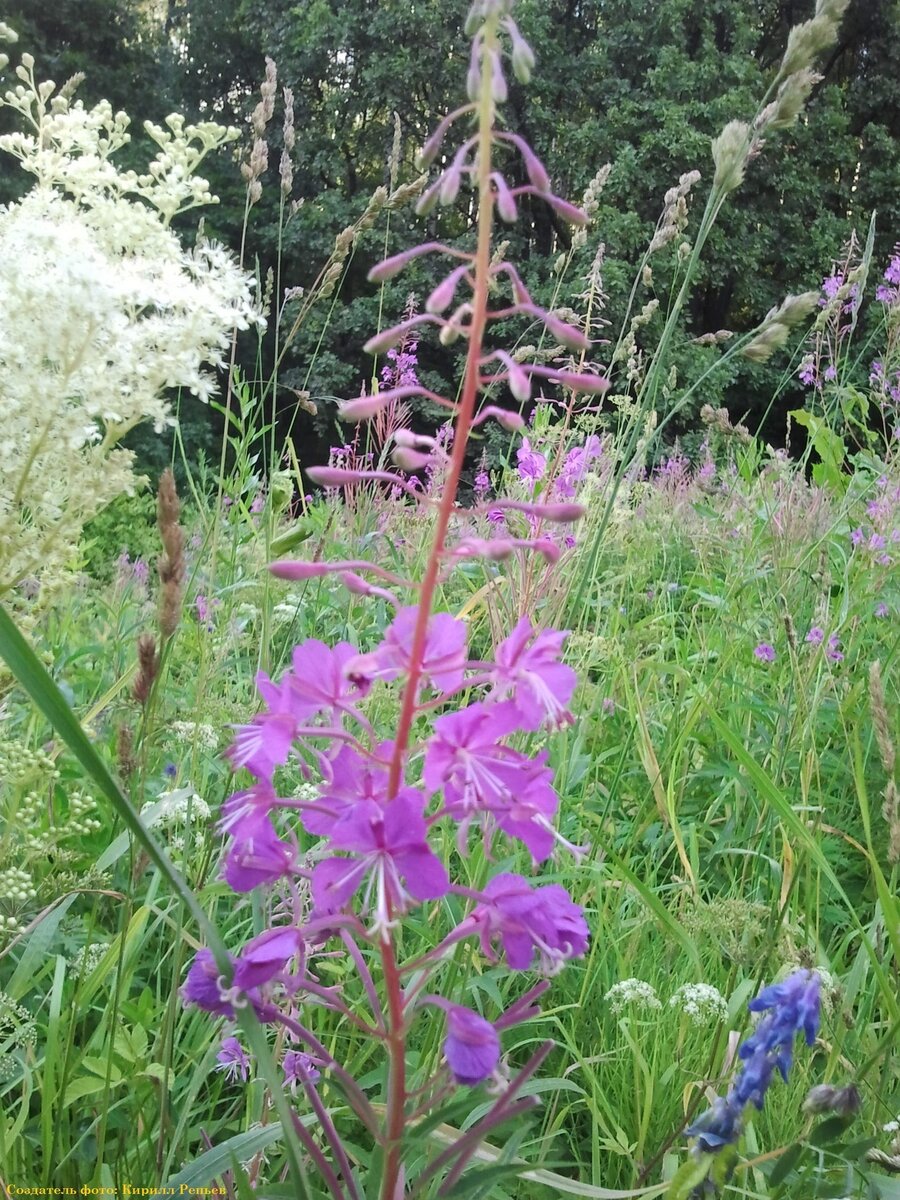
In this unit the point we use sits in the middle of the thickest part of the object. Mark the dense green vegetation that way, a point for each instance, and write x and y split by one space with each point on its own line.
721 733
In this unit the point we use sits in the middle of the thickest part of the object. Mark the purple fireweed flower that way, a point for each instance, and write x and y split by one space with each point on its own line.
464 758
472 1046
793 1008
233 1060
247 811
529 814
201 985
832 285
299 1068
443 660
317 683
576 465
857 537
834 649
266 956
892 273
349 777
527 669
390 849
480 777
259 858
807 371
531 464
764 652
482 484
816 636
529 920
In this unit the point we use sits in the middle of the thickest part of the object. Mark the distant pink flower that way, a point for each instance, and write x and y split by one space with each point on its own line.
233 1060
765 653
532 464
807 371
881 610
832 285
834 649
298 1067
816 636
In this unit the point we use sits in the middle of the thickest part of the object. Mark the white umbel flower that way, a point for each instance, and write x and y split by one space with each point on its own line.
174 808
632 993
700 1002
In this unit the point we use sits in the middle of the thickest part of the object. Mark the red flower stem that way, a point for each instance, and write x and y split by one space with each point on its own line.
396 1039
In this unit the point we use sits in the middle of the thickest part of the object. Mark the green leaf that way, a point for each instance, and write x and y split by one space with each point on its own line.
829 447
786 1164
98 1066
688 1176
828 1131
85 1085
216 1161
472 1181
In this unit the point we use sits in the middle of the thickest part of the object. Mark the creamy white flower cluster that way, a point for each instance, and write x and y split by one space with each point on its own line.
175 807
104 311
701 1003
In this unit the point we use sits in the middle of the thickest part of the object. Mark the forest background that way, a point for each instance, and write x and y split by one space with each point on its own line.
639 84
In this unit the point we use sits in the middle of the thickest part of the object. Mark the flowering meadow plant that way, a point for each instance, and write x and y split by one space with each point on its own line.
104 310
385 799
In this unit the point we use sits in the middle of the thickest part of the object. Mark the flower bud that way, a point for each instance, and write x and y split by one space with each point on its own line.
823 1098
522 54
409 460
503 197
569 212
442 296
392 266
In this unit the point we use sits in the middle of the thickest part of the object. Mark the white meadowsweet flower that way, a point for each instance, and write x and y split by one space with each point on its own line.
104 312
632 993
700 1002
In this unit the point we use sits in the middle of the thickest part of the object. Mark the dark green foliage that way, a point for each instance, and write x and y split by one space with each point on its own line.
639 84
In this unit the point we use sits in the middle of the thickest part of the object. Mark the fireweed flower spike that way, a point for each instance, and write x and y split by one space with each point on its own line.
387 783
